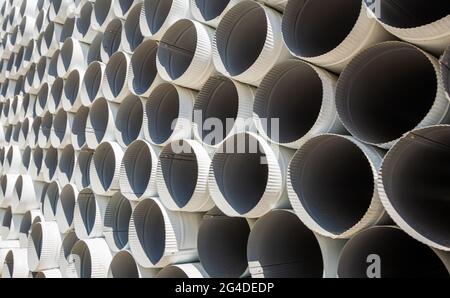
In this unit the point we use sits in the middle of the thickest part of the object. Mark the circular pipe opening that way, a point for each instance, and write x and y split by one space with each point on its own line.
79 127
53 66
26 158
99 118
56 92
132 30
123 265
60 125
129 119
177 48
112 37
92 81
83 164
81 249
52 197
284 247
143 67
35 131
395 249
67 29
101 10
94 49
394 102
118 214
46 126
51 161
38 157
104 160
83 22
211 9
156 13
116 73
245 25
72 86
87 209
67 160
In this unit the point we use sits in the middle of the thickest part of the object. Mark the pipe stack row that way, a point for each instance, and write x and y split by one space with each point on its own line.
192 138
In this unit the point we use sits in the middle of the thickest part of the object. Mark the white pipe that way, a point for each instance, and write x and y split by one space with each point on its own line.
83 31
182 177
115 78
51 41
280 246
418 159
168 114
5 109
211 12
41 100
112 39
389 243
34 133
9 229
181 271
100 125
13 160
143 76
249 23
51 273
15 264
27 30
158 15
131 32
190 44
28 8
415 21
29 218
60 9
82 169
45 130
129 122
223 99
71 95
8 134
222 245
248 154
65 208
16 106
15 135
41 20
5 247
36 163
445 71
105 167
27 111
49 165
318 189
40 74
25 195
116 222
123 265
67 30
29 79
91 86
138 171
51 198
65 261
73 56
60 135
52 69
44 244
78 132
102 14
92 258
94 49
170 237
56 91
370 113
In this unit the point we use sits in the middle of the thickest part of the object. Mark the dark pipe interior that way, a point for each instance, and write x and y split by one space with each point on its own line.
334 182
245 160
35 128
25 224
156 12
421 160
222 246
218 99
94 49
381 108
125 5
116 73
211 9
52 195
150 229
410 13
53 65
66 54
177 48
138 166
67 29
284 247
60 124
84 269
87 208
67 161
92 80
72 86
38 155
132 29
112 37
84 162
101 9
99 117
129 118
56 91
172 272
51 161
243 27
79 125
180 172
445 70
67 199
26 157
84 21
68 243
105 164
123 265
36 235
46 125
162 109
400 256
120 211
143 65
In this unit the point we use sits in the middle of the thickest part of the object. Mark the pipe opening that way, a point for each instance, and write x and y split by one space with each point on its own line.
377 112
46 125
72 86
19 85
309 28
101 10
83 23
99 117
119 211
9 262
52 196
38 156
67 29
222 246
49 34
105 164
150 229
66 54
177 48
94 49
79 125
26 158
53 65
81 249
124 5
132 29
51 161
67 203
229 168
16 132
172 272
129 119
30 75
84 163
138 165
87 207
67 162
19 58
112 37
59 124
8 134
68 243
244 25
143 66
36 235
334 182
41 21
156 13
10 64
25 224
123 265
116 73
35 130
180 173
396 250
284 247
211 9
92 80
29 50
41 68
18 186
411 14
218 99
56 92
162 109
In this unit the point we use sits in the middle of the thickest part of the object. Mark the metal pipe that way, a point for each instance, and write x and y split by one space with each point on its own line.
123 265
129 120
114 82
100 125
116 222
210 12
65 208
91 86
112 39
81 174
83 31
78 132
92 258
181 271
131 32
102 14
66 165
44 244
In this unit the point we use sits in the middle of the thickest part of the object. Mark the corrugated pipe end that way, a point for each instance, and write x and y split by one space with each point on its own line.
78 130
190 44
7 183
182 271
30 217
129 120
65 208
123 265
83 30
131 31
94 49
123 8
388 244
418 159
112 39
50 201
81 175
114 83
66 165
256 28
44 244
92 258
102 14
72 56
71 100
15 264
445 70
24 197
248 155
100 124
182 177
116 223
211 13
66 261
89 214
50 164
91 85
378 114
138 171
60 135
42 98
335 175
